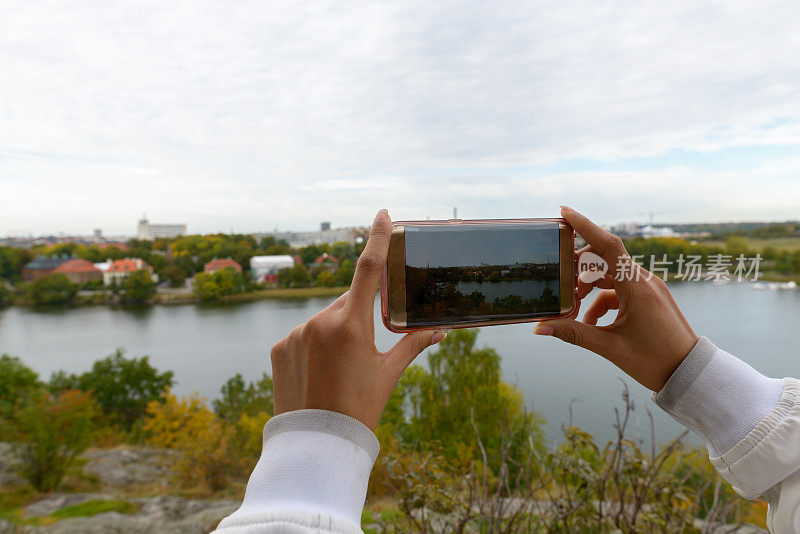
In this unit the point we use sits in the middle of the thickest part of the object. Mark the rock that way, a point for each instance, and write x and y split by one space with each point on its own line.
161 514
56 501
126 466
9 466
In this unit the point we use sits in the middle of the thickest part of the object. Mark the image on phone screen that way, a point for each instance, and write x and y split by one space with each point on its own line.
461 273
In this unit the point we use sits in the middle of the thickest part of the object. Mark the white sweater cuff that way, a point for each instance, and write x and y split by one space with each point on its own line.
718 396
315 462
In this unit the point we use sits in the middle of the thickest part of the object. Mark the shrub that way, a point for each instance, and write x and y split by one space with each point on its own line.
188 425
53 431
213 286
138 287
461 391
324 279
174 275
296 276
344 273
122 386
240 398
18 383
5 294
53 289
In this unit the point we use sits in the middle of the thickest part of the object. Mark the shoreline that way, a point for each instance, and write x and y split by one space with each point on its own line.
181 299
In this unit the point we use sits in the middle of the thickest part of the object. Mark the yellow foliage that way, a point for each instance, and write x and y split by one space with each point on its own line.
188 425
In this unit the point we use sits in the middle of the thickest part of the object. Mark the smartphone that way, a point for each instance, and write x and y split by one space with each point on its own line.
466 273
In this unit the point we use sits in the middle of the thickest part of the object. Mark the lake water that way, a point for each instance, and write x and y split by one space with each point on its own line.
205 345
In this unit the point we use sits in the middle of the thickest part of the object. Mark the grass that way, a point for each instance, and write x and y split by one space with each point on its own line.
98 506
292 293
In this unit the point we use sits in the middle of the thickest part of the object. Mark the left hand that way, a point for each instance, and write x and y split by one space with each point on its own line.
331 362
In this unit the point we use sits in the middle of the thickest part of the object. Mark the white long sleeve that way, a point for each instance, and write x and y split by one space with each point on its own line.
749 422
312 476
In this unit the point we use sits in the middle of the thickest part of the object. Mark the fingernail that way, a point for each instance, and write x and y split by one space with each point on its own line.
382 211
438 336
542 329
567 208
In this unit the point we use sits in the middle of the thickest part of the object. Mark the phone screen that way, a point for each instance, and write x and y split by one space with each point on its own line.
462 273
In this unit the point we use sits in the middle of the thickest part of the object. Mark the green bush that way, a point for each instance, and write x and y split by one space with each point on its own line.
174 275
344 273
52 432
240 398
296 276
18 383
324 279
53 289
214 286
122 386
5 294
138 287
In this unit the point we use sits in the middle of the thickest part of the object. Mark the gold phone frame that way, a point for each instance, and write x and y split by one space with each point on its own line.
393 287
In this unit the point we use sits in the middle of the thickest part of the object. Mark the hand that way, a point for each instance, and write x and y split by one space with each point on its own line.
650 337
331 362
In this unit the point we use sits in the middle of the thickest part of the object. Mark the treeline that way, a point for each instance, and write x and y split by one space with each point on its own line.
779 261
174 261
459 450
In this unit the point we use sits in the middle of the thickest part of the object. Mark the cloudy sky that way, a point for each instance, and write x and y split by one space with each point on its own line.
255 115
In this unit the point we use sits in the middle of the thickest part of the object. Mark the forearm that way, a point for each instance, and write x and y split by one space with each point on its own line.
749 422
312 475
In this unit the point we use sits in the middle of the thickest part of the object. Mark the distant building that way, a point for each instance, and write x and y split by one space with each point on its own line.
79 271
221 263
323 236
149 231
661 231
119 270
327 262
41 266
104 266
265 268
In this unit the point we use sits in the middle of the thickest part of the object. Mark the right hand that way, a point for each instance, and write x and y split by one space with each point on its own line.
649 337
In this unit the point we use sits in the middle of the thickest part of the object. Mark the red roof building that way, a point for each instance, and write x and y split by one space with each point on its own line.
221 263
79 271
121 269
327 262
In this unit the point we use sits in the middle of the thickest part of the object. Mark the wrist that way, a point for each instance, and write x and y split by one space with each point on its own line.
718 396
313 461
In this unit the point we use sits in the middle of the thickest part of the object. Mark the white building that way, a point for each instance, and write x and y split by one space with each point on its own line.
148 231
325 235
265 268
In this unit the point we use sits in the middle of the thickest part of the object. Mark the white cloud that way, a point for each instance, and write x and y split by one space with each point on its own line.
253 115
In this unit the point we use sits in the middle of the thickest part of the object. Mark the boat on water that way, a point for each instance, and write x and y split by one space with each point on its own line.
774 286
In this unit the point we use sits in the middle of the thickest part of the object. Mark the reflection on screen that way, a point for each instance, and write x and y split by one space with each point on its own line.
461 273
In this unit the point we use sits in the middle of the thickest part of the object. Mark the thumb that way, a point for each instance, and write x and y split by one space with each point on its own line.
576 333
410 345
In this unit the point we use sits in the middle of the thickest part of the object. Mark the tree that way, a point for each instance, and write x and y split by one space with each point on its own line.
18 382
460 391
54 430
344 274
174 275
342 250
189 426
122 386
5 293
53 289
309 253
139 287
298 276
324 279
224 282
240 398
